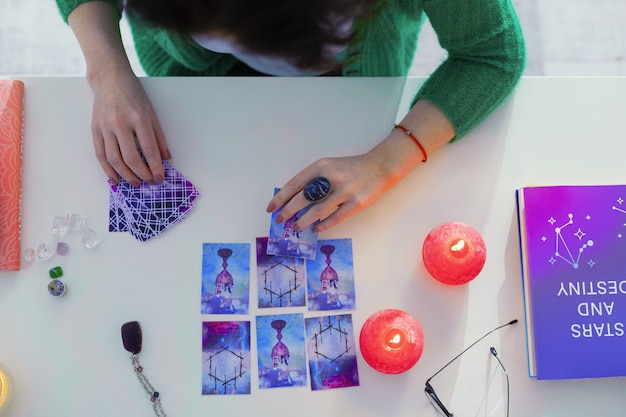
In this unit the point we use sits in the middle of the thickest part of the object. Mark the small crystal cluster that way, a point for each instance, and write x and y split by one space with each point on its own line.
62 228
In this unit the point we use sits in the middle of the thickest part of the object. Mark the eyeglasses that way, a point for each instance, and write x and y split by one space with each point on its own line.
432 395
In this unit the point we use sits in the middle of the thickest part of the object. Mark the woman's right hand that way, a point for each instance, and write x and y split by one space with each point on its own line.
125 128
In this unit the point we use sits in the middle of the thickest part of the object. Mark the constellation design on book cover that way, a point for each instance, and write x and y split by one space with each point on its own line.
620 200
564 245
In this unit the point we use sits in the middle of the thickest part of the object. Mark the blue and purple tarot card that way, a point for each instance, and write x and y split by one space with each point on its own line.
150 209
226 357
330 276
281 350
281 280
331 352
225 278
285 241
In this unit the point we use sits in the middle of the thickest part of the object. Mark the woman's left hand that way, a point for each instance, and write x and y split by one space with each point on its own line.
357 182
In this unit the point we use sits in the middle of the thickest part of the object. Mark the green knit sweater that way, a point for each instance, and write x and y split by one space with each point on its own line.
483 39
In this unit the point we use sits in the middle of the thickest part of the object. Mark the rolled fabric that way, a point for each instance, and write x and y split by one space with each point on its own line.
11 137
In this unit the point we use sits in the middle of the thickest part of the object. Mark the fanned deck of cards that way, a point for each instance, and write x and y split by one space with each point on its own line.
148 210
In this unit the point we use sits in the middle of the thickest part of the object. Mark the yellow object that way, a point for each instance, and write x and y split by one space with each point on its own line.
6 389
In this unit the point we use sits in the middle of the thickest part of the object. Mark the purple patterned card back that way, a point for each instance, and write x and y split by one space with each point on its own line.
148 210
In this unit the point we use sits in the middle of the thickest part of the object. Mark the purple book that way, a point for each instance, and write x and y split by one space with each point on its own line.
573 241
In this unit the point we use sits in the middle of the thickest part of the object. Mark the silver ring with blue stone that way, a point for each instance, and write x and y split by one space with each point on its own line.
317 189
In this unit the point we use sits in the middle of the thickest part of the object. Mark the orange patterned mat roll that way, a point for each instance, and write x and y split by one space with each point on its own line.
11 135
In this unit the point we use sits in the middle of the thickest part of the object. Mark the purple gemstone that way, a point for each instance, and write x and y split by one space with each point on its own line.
62 248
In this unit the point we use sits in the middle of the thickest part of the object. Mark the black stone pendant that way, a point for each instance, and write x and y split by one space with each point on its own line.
131 337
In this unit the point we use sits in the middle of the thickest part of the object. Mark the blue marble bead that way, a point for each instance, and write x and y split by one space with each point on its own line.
56 288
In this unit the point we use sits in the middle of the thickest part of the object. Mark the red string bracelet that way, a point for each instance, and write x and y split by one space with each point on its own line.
412 136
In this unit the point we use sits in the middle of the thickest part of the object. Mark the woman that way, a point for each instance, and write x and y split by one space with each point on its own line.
486 57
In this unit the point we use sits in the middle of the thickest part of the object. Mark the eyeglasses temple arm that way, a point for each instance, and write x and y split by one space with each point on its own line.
469 347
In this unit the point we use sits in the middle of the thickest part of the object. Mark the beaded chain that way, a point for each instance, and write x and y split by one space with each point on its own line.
154 395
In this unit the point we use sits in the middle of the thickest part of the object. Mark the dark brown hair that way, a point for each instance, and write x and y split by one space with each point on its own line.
296 30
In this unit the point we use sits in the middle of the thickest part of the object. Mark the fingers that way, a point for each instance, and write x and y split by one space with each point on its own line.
127 136
98 144
149 146
293 194
314 212
119 155
331 211
295 203
130 164
288 192
340 214
290 199
356 181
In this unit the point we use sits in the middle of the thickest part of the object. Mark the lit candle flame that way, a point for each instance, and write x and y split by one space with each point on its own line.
395 339
458 246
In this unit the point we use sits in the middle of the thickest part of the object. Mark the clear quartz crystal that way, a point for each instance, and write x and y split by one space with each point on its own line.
60 225
44 251
29 255
77 223
90 239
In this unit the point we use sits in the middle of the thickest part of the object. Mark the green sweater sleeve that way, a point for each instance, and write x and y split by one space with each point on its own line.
67 6
486 58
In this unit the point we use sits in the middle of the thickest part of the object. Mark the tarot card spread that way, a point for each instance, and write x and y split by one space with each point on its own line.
148 210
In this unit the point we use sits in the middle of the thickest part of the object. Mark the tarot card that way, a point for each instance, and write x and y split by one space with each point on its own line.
225 278
280 279
331 352
138 220
281 351
148 210
117 217
285 241
225 357
330 276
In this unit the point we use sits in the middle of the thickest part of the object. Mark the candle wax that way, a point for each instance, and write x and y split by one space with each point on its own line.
391 341
454 253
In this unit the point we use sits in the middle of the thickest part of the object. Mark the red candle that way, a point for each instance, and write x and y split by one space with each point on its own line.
454 253
391 341
6 389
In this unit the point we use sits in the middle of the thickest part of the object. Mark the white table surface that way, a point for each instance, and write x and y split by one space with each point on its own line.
236 139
